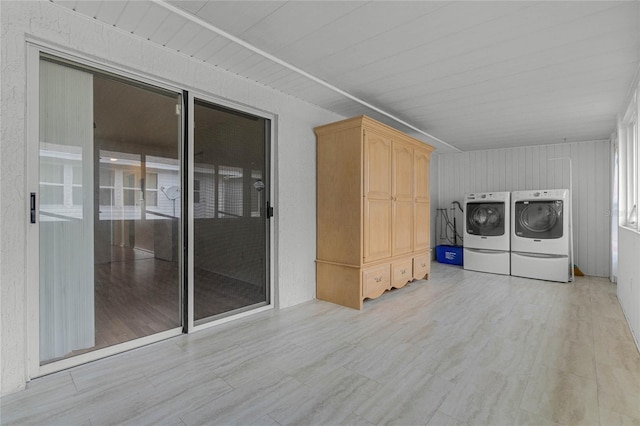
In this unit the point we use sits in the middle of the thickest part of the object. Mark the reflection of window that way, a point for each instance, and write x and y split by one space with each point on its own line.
51 173
77 195
107 182
256 192
61 178
52 183
162 187
130 191
230 194
51 195
151 190
204 192
76 185
196 191
630 165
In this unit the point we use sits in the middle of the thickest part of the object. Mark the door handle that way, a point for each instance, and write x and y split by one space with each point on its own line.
32 202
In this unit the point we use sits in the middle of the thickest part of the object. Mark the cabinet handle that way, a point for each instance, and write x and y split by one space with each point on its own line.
378 279
424 264
403 271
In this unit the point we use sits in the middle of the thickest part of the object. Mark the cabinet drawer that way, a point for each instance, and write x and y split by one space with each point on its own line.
421 267
402 273
375 281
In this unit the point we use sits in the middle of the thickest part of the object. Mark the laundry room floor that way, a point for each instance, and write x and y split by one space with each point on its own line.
463 348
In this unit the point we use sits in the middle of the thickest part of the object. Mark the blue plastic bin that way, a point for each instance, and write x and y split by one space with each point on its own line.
449 254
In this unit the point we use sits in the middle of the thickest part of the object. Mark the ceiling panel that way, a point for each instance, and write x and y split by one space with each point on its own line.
208 51
473 74
444 57
344 42
85 7
154 17
235 17
184 36
110 11
189 5
299 18
132 15
452 90
198 42
167 29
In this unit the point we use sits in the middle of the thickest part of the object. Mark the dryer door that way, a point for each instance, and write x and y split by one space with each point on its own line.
539 219
485 219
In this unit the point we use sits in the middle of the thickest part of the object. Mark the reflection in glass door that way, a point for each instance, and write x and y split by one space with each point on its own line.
109 210
230 195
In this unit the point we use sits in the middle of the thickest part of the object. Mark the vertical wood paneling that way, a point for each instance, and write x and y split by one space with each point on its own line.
603 186
522 168
508 169
499 170
532 167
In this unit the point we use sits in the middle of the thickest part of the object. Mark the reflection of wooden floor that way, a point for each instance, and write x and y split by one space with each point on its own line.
137 295
216 294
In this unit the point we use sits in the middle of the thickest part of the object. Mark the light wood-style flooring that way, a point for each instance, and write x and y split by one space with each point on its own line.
463 348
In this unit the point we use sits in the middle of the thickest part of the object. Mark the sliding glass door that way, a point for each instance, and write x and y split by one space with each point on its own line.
230 210
115 269
109 210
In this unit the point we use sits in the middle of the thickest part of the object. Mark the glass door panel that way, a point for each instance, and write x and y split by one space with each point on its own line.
230 192
109 215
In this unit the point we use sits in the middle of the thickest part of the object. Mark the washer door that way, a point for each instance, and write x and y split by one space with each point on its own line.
539 219
485 219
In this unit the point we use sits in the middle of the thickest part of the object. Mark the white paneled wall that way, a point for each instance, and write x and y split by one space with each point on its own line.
532 167
629 279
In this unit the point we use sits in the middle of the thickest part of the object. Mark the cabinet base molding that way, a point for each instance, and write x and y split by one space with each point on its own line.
339 284
350 285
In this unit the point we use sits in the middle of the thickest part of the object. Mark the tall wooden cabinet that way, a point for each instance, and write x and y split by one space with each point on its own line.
373 210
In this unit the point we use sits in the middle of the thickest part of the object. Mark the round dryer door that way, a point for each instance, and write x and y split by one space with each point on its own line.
539 219
485 219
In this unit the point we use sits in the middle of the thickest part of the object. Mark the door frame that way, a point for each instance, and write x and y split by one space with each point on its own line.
34 49
190 325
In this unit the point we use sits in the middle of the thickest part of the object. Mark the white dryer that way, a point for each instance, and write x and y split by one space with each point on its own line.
486 232
540 239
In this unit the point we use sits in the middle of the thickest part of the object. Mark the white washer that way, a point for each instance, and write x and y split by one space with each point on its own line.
540 239
486 232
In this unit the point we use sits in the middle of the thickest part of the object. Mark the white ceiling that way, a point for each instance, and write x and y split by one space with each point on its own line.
474 75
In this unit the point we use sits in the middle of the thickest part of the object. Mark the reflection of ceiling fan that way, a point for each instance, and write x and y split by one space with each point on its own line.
172 193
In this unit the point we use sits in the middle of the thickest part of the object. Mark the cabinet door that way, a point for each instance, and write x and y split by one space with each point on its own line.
422 226
377 193
403 228
377 166
377 229
402 172
402 196
421 163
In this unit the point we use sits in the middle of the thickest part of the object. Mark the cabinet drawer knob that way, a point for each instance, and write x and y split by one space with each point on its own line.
423 265
403 271
378 279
